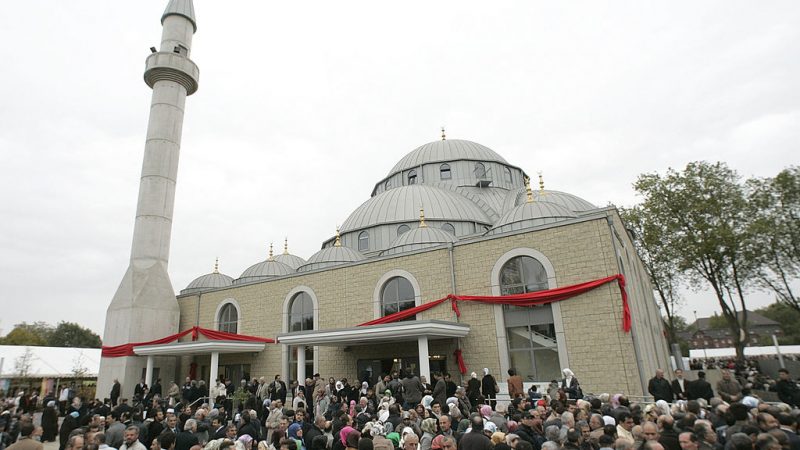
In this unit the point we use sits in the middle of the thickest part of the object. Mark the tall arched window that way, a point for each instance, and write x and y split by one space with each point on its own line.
507 173
449 228
444 172
228 320
363 241
480 170
301 313
397 295
387 185
531 334
412 176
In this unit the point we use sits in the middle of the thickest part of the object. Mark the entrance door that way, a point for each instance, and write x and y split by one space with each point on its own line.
371 370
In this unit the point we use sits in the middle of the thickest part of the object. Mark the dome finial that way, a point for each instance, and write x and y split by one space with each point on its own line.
528 189
216 265
286 245
541 183
338 242
271 257
422 223
443 135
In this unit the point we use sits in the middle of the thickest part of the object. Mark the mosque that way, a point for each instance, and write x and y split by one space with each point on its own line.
448 235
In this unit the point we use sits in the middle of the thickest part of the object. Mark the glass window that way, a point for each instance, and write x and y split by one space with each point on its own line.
402 229
530 331
363 241
228 319
387 185
507 173
397 295
412 176
480 171
293 363
444 172
449 228
301 312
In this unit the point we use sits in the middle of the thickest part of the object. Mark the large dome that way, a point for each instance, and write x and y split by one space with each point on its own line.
419 238
531 214
290 260
569 201
446 150
404 203
263 270
207 282
331 256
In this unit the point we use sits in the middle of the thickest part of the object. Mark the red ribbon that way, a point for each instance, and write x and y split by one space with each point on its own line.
116 351
460 359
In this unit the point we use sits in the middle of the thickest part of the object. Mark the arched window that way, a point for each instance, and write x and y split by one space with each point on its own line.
301 313
228 320
444 172
412 177
449 228
387 185
531 334
363 241
397 295
480 170
507 173
402 229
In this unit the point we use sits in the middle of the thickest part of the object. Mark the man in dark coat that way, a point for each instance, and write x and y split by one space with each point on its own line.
440 389
787 389
679 385
187 438
475 439
700 388
659 387
115 390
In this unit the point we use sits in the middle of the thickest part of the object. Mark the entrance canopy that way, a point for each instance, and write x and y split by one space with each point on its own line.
390 332
199 348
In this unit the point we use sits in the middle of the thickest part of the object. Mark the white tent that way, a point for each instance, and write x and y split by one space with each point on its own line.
48 362
748 351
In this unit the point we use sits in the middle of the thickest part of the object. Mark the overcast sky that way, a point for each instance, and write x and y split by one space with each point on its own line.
303 106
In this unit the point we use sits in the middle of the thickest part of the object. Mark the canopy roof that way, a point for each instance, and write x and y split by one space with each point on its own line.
49 362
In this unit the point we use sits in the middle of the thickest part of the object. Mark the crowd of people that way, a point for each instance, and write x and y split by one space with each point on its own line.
405 412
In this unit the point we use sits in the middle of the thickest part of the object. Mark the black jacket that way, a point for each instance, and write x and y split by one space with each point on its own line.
660 389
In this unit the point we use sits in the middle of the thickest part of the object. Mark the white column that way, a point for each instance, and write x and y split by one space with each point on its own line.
424 364
148 373
301 364
214 369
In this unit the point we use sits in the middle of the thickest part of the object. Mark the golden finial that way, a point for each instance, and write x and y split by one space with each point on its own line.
422 223
443 135
286 246
271 257
528 189
216 265
338 241
541 183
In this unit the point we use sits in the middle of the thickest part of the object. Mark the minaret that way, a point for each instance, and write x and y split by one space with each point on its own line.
144 307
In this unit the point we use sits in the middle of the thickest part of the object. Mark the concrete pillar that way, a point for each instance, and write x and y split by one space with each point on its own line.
214 369
148 372
301 364
424 364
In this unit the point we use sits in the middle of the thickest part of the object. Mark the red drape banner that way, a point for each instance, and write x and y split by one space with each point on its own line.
116 351
527 299
460 360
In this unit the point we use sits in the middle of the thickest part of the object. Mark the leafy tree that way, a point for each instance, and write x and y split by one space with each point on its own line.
788 317
68 334
22 336
23 364
775 207
701 215
660 260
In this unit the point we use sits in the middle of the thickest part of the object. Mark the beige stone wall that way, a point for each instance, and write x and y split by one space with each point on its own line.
600 353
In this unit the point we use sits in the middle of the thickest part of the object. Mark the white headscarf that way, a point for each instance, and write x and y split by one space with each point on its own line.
485 371
474 375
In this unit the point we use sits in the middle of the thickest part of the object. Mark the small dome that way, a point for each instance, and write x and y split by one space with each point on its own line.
290 260
419 238
531 214
331 256
446 150
263 270
403 204
569 201
207 282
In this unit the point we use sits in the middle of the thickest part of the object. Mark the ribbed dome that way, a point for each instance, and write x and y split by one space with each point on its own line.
531 214
290 260
331 256
569 201
263 270
403 204
207 282
419 238
448 150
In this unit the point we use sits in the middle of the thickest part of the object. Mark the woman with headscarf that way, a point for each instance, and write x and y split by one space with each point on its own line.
379 441
49 422
340 443
474 390
295 432
570 384
245 442
489 388
428 433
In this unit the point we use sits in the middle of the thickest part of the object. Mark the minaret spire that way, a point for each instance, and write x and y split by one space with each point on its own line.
144 307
